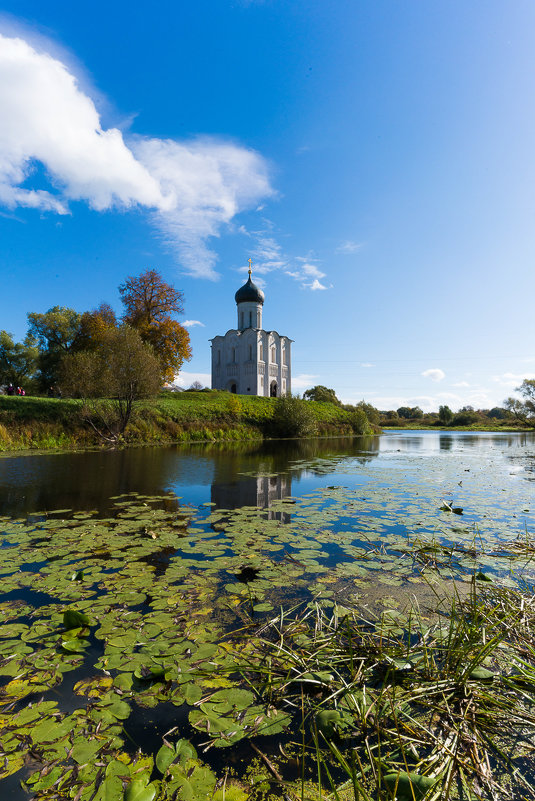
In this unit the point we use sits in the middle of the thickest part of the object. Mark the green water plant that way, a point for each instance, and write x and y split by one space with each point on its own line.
409 709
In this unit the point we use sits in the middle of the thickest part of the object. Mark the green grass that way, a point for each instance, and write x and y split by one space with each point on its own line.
45 423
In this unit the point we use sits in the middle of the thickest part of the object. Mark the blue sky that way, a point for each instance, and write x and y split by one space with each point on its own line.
375 159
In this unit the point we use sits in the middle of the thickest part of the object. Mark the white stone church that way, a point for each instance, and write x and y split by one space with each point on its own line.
248 360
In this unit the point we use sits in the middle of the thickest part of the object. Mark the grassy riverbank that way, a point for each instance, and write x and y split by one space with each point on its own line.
48 423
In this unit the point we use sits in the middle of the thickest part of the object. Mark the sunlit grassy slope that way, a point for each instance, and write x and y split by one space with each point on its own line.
183 416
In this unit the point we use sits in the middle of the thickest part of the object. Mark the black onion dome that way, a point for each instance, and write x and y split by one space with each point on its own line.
249 293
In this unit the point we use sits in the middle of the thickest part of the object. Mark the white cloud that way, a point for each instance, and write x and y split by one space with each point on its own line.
304 381
185 379
267 254
205 183
316 285
312 271
306 269
367 364
191 323
511 380
434 373
348 247
193 188
461 384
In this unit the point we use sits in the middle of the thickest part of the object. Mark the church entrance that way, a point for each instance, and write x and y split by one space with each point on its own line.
273 389
233 388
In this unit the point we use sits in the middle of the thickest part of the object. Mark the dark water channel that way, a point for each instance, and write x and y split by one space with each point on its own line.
349 494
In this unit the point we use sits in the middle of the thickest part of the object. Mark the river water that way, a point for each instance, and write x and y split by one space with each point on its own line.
224 535
243 475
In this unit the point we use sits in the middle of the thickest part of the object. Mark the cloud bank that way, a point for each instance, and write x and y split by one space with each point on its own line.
192 189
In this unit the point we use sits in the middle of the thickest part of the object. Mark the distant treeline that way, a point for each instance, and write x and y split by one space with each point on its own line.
467 416
513 413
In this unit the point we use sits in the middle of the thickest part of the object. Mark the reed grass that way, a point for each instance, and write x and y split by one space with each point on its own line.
398 707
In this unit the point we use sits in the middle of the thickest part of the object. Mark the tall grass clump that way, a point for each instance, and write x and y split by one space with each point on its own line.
397 707
6 441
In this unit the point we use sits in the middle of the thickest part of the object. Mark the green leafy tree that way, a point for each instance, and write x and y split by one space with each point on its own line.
150 304
111 379
410 412
322 394
497 413
373 415
18 360
523 410
57 332
445 415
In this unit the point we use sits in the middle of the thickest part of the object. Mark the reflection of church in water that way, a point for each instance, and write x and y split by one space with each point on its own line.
259 491
248 360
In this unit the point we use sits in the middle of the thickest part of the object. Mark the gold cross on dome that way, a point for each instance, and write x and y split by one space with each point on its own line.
250 265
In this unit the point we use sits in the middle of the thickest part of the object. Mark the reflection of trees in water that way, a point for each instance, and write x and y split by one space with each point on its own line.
409 442
454 440
87 480
84 480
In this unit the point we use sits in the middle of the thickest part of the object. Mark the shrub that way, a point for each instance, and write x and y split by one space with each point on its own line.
234 406
465 419
292 417
359 422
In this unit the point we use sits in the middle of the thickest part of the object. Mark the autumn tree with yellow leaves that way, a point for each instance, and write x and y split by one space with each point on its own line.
150 306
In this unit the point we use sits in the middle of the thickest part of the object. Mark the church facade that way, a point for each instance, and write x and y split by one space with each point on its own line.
247 359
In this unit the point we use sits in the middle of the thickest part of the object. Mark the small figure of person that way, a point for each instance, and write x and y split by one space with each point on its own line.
11 390
50 392
22 391
19 390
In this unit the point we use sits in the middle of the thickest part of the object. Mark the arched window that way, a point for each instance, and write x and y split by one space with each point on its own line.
273 354
261 352
258 319
241 318
250 352
234 355
250 319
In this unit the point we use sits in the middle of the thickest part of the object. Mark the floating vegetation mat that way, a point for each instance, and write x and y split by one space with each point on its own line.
147 655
